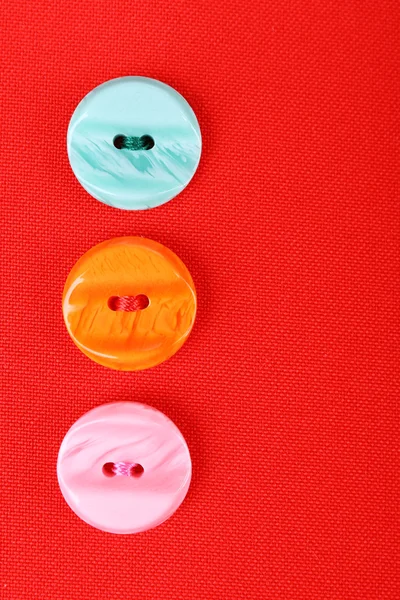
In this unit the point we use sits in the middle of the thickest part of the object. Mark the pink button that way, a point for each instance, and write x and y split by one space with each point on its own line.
124 467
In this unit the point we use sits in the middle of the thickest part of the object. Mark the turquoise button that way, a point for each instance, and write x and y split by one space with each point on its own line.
134 143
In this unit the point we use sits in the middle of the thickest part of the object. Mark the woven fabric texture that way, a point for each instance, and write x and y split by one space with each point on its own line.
287 391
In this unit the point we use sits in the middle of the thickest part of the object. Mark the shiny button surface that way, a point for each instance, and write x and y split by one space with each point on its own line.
134 143
124 467
129 303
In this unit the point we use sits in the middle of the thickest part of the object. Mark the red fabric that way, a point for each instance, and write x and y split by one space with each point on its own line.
287 391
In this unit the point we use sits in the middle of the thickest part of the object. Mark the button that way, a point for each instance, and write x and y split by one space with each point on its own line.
134 143
129 303
124 467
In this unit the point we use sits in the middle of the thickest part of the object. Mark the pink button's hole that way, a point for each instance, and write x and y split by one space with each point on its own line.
124 469
108 470
137 471
128 303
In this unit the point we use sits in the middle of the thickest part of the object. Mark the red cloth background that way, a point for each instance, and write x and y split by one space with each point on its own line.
287 391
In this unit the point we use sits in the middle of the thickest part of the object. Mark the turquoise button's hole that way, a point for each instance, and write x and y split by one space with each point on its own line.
126 142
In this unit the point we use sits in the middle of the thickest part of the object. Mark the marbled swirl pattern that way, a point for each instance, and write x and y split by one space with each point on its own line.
129 266
134 106
132 432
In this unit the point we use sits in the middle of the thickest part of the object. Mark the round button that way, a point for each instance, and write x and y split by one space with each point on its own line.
129 303
124 467
134 143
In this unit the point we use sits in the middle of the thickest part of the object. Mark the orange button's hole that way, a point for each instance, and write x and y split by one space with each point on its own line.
128 303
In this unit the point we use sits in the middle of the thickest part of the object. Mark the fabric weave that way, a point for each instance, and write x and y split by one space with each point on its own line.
287 390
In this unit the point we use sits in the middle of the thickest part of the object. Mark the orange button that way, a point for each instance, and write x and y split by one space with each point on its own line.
129 303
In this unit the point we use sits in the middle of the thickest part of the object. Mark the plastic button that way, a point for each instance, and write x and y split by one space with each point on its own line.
134 143
124 467
129 303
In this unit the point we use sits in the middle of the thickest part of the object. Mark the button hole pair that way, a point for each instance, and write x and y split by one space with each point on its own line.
124 469
131 142
128 303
